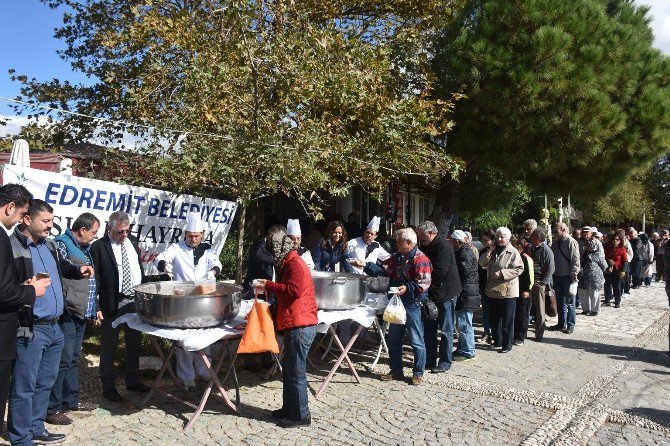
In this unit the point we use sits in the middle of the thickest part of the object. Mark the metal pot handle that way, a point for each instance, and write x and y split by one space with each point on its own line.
339 281
142 296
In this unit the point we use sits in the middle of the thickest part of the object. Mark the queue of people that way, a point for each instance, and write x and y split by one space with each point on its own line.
51 288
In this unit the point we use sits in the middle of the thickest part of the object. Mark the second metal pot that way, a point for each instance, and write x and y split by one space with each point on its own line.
338 291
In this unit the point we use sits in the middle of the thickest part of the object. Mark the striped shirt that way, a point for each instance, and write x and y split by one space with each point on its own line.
91 306
413 270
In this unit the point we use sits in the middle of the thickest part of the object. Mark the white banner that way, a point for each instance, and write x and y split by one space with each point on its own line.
157 218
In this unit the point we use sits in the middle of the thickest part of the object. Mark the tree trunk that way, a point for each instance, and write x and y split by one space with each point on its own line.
240 242
445 205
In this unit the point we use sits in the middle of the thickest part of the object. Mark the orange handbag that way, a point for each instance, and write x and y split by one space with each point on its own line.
259 335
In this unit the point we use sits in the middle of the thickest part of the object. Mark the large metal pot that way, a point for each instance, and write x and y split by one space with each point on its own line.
157 304
338 291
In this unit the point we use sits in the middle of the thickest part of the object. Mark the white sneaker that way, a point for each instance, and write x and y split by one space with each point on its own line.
625 295
189 383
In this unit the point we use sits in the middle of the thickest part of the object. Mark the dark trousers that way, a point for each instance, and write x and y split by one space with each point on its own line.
502 321
109 341
660 265
636 272
65 392
297 342
626 280
486 313
521 314
613 287
446 312
5 373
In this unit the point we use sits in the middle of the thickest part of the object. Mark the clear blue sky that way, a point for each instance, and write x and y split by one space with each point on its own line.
28 45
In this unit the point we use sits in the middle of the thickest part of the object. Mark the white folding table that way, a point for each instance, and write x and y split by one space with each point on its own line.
365 316
195 340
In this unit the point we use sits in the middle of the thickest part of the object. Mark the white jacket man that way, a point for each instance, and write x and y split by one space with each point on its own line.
190 260
362 250
295 233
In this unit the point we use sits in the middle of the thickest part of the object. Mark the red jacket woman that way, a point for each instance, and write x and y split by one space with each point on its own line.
296 299
617 254
616 257
296 319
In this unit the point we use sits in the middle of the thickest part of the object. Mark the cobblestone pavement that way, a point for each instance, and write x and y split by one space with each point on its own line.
606 384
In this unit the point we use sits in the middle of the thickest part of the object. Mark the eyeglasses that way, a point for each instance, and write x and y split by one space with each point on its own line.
121 231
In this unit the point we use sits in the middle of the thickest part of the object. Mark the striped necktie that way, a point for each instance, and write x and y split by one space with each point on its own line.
127 284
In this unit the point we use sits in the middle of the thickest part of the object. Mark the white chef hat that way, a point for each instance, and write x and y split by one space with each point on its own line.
374 224
193 222
458 235
293 227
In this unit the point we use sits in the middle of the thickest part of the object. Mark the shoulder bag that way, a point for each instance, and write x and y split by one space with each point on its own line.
550 305
429 310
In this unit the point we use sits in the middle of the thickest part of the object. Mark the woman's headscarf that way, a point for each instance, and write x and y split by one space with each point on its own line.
281 245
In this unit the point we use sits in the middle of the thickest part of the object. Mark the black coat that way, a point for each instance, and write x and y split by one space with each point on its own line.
468 271
445 283
12 297
260 264
107 274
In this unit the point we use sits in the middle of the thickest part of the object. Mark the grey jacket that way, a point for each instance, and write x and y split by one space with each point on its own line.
593 268
543 261
75 291
566 257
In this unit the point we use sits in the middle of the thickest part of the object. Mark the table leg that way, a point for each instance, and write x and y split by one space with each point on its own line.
213 380
232 367
166 365
159 351
330 344
277 363
344 355
382 344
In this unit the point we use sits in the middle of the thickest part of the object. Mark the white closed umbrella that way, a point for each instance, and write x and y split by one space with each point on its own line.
20 154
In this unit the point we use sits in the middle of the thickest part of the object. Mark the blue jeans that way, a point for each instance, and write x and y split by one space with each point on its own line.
65 392
486 313
565 302
394 339
297 342
444 323
466 334
35 371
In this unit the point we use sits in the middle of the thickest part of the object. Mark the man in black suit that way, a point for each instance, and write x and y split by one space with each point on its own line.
14 203
118 268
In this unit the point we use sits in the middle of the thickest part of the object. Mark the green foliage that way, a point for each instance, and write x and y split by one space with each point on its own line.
274 96
657 184
489 199
627 201
228 256
39 136
566 96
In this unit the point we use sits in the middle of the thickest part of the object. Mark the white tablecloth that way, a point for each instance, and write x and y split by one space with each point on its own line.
192 339
363 315
195 339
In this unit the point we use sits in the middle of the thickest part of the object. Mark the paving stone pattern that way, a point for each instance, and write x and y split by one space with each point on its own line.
606 384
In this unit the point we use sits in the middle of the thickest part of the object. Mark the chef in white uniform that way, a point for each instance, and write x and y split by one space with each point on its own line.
190 260
365 249
295 234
